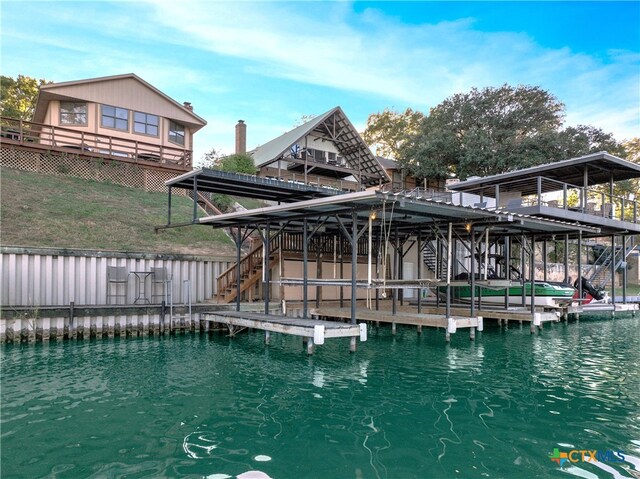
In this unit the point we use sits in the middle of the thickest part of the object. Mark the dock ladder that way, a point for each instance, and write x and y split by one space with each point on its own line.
186 315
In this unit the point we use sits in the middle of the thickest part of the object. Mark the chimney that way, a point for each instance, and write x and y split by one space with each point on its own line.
241 137
188 105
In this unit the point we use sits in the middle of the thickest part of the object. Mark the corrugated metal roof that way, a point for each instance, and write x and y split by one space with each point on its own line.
236 184
601 167
404 211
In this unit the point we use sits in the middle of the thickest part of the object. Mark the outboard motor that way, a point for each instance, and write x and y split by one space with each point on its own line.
588 287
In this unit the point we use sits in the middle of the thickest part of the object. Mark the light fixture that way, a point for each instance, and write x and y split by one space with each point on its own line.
467 227
373 215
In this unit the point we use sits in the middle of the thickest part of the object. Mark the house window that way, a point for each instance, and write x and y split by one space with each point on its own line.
114 117
176 133
72 113
145 123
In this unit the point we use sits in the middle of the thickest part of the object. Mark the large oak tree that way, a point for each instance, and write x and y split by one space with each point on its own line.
493 130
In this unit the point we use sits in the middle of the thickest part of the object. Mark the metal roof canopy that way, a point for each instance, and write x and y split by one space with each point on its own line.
400 210
234 184
598 168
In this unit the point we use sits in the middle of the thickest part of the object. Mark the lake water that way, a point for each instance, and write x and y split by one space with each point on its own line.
403 406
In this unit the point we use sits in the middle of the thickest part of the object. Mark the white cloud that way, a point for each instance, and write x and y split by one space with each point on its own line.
328 44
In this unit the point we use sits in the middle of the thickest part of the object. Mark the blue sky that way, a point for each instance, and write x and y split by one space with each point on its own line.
271 63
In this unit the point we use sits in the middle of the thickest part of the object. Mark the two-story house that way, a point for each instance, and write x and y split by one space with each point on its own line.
120 116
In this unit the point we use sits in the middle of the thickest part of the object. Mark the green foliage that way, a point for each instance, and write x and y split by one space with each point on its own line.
237 163
388 130
628 189
222 202
485 132
584 139
18 96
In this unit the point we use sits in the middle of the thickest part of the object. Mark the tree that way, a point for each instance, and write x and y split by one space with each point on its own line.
485 132
211 158
237 163
18 96
388 130
584 139
632 149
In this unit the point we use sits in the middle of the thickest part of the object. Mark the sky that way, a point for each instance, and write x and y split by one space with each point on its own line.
271 63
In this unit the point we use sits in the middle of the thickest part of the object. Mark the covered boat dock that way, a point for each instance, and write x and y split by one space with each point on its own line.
387 232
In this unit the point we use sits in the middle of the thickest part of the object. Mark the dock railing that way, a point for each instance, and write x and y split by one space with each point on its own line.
593 200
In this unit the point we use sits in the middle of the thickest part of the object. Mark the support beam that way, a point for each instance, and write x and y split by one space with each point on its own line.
354 265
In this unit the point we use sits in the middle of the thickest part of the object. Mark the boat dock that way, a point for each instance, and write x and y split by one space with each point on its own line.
612 308
520 314
451 324
314 331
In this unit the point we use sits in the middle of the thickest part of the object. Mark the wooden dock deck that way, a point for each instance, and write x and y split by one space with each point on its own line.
314 330
511 314
451 324
603 308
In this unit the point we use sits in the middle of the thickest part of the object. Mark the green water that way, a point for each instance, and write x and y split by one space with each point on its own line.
407 406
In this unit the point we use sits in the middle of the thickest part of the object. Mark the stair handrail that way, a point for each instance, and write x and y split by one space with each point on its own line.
253 257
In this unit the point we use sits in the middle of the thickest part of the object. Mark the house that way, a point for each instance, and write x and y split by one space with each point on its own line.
121 116
325 151
401 180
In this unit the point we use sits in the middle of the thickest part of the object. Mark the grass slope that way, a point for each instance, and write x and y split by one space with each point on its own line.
64 212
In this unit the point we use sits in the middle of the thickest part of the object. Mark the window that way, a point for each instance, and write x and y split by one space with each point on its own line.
176 133
114 117
72 113
145 123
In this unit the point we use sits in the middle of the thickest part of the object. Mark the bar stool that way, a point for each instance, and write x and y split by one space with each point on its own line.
116 276
160 277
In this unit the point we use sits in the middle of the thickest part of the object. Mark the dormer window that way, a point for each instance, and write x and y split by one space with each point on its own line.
114 117
73 113
176 133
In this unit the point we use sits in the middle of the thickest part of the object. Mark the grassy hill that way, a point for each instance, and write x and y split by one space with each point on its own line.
64 212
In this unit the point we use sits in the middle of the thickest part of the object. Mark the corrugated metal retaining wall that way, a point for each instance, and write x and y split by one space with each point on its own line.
54 277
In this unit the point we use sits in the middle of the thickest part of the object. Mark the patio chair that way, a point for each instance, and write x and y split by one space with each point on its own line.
117 277
161 280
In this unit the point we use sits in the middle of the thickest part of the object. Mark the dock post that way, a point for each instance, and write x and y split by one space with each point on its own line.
393 328
472 334
309 346
352 344
447 336
419 329
267 338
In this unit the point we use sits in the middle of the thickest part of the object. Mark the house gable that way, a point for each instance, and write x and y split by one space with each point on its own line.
327 145
125 91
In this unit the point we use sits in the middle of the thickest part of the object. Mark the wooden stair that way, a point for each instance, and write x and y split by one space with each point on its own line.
250 273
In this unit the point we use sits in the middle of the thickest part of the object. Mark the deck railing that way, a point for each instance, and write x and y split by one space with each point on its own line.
48 137
556 194
312 180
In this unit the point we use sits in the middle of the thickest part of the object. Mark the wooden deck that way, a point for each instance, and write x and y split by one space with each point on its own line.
314 330
603 307
435 320
506 315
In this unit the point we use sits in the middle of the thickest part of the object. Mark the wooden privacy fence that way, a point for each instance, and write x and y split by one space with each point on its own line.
51 277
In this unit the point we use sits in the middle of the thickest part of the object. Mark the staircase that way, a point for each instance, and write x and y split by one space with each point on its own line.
599 274
207 205
434 261
250 273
